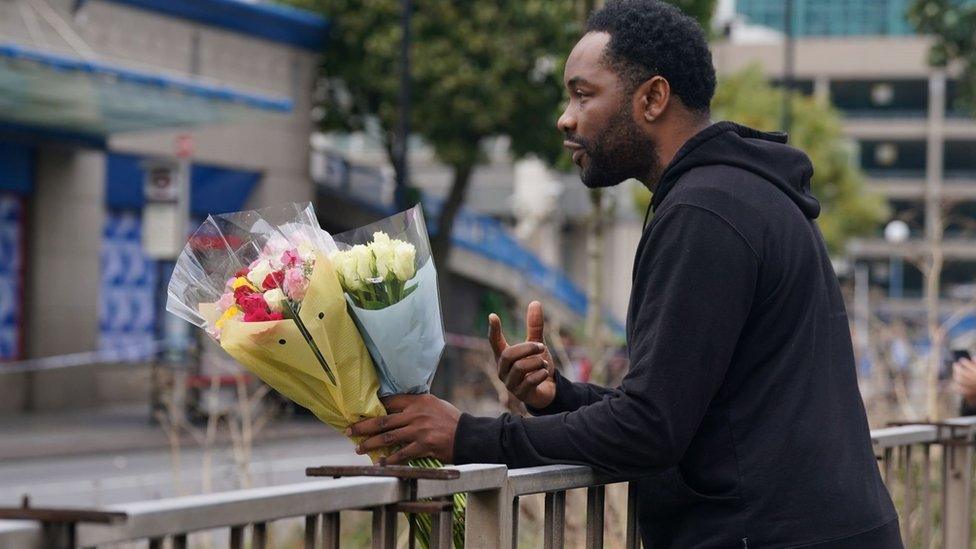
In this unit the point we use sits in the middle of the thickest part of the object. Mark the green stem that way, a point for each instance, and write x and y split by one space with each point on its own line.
424 521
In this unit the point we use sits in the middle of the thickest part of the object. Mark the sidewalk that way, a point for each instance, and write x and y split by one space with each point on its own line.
119 428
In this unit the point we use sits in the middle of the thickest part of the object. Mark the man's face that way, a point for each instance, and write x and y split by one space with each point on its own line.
601 125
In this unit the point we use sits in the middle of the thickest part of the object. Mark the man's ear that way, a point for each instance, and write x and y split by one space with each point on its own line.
653 97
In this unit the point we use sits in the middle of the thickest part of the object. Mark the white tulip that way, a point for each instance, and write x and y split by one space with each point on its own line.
345 266
365 264
405 255
383 252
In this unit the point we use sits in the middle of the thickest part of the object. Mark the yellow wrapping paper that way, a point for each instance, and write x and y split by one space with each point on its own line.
277 353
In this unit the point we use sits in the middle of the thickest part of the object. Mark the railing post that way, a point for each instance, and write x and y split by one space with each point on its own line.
384 527
488 519
957 480
330 531
555 520
259 535
311 525
595 496
908 500
236 537
441 529
633 532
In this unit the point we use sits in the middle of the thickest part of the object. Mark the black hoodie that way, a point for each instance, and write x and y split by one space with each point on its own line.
741 402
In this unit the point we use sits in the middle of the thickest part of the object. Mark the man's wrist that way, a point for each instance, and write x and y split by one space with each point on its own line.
564 388
477 440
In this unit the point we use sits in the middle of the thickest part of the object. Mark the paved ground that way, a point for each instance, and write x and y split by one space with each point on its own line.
109 430
96 458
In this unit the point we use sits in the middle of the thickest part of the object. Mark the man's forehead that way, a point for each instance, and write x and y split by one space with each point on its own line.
585 59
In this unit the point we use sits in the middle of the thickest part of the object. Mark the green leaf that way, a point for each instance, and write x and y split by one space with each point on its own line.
408 291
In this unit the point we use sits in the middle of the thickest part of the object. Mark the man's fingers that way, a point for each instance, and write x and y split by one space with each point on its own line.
495 336
377 425
514 353
382 440
534 322
397 403
522 368
405 454
530 382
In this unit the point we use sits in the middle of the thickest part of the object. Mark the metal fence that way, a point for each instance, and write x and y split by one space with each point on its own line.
928 468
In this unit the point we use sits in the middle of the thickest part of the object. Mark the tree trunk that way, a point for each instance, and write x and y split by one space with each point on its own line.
440 246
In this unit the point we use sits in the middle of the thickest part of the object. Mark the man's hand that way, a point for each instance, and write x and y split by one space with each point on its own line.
526 368
964 376
421 425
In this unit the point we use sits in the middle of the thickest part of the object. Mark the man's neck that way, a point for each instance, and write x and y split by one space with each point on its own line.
671 142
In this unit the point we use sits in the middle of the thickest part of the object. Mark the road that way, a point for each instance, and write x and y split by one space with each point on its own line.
96 480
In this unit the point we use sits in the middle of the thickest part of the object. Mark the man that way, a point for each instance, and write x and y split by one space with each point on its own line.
741 406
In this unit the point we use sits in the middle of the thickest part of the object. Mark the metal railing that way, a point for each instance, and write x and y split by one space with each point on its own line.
935 509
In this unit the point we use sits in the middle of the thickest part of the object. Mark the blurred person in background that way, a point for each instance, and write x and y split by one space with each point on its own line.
964 382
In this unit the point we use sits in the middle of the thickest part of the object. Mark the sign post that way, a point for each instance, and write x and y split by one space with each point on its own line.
165 220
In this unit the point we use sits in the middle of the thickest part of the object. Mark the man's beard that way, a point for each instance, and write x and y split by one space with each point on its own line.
622 151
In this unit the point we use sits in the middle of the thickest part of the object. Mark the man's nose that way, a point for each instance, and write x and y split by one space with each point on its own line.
566 122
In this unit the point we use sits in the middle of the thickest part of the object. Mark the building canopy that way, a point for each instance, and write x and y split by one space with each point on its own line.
60 93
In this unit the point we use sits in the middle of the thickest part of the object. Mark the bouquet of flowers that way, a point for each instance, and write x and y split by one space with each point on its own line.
391 286
272 288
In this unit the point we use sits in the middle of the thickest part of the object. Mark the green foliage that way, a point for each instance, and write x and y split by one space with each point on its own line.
951 24
480 69
702 10
849 208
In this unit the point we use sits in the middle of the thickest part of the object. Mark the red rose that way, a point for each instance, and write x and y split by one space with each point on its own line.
276 316
273 280
253 302
257 315
240 293
243 272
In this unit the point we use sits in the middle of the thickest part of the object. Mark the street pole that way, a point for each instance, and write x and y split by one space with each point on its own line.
402 148
789 54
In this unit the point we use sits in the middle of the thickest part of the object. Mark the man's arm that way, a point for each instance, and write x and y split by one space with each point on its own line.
570 395
696 281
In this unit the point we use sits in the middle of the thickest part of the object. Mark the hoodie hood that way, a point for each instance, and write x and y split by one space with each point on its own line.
762 153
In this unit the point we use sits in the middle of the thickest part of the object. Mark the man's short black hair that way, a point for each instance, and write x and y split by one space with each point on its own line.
650 37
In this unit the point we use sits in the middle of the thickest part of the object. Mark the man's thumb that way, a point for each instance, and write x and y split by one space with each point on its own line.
534 322
495 336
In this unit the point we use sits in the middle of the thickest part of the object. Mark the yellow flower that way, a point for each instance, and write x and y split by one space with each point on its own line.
228 314
241 281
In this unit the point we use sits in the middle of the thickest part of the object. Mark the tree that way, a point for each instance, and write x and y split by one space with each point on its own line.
701 10
849 208
951 24
480 70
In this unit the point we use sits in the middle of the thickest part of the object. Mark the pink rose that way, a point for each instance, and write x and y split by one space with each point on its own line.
295 284
290 258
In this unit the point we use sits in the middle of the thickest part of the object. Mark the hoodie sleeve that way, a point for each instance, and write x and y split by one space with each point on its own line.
571 395
694 283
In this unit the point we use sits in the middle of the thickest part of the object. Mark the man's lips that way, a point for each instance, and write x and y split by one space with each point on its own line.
575 149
